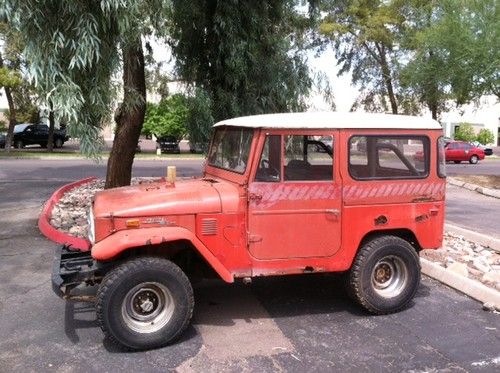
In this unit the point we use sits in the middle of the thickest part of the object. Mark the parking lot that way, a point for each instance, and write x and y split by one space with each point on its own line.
301 324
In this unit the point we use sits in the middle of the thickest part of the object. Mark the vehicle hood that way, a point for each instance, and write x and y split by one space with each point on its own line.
157 199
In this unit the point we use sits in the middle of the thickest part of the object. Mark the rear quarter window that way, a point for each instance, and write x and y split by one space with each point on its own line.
389 157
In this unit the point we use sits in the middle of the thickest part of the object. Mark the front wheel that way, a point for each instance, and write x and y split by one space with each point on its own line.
385 275
474 159
58 143
144 303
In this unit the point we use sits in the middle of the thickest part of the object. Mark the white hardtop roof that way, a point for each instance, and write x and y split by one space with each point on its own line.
315 120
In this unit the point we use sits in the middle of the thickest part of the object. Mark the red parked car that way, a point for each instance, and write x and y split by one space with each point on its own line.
458 151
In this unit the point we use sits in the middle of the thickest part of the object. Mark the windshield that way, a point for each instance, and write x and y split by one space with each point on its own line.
20 127
230 148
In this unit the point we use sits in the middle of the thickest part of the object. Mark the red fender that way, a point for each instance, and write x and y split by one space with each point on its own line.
120 241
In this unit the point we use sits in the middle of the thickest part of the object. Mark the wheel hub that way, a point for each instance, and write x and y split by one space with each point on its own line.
147 307
390 276
383 273
145 302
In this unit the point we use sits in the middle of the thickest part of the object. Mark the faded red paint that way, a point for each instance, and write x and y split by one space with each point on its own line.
247 228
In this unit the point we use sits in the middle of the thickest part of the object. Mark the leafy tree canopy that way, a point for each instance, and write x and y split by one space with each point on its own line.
364 36
485 136
244 54
169 117
465 132
73 50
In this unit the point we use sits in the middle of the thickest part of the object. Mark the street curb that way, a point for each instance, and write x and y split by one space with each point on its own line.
465 285
475 188
52 233
479 238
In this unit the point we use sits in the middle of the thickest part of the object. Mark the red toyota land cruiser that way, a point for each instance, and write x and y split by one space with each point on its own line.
280 194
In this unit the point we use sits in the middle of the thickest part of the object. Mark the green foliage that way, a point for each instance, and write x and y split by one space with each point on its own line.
9 78
246 55
199 120
3 126
73 49
364 36
454 51
485 136
167 118
465 132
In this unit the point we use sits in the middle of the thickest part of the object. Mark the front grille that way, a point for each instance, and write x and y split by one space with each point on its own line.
209 227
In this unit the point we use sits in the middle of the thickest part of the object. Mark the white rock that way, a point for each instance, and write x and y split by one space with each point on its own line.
481 264
459 268
491 276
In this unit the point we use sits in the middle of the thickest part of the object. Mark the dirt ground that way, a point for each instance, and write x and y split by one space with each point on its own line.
487 181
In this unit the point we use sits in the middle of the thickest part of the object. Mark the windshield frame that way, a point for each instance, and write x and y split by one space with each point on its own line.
244 154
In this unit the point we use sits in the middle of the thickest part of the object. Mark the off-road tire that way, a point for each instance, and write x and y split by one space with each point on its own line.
362 284
473 159
116 287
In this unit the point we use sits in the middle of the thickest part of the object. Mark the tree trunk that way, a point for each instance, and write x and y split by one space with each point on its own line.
129 117
433 107
386 76
50 141
12 114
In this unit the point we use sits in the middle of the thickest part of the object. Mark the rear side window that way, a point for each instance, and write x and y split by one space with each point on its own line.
388 157
441 157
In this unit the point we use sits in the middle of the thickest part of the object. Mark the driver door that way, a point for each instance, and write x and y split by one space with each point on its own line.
294 199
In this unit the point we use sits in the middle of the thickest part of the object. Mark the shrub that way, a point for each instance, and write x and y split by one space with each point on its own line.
465 132
485 136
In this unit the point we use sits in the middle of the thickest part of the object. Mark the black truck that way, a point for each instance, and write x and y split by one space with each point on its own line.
30 134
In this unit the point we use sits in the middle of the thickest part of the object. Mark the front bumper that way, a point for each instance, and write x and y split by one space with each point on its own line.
72 268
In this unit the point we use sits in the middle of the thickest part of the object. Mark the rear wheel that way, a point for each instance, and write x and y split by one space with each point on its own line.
58 143
144 303
474 159
385 275
19 144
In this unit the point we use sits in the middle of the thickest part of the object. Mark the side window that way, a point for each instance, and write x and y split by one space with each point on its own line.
441 157
384 157
270 160
307 159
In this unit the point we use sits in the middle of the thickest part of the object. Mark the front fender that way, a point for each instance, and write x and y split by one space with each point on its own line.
120 241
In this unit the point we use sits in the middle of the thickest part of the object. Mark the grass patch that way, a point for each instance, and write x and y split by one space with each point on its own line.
487 181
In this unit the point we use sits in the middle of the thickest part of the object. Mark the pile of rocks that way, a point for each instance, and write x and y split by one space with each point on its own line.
70 213
468 259
458 254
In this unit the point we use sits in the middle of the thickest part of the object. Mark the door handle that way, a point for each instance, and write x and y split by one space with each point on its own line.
254 197
335 212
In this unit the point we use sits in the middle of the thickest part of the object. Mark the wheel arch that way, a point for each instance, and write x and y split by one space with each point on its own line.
156 241
404 233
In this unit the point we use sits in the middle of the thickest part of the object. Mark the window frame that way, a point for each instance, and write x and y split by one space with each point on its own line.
426 144
438 160
247 166
299 133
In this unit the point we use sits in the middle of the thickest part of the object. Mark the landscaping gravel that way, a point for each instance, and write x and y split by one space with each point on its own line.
457 254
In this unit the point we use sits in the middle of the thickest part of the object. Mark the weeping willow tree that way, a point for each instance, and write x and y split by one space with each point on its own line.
74 50
248 57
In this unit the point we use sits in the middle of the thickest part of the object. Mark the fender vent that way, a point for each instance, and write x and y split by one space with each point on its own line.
209 227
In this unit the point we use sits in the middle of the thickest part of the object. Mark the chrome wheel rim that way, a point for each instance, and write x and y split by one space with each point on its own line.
389 276
148 307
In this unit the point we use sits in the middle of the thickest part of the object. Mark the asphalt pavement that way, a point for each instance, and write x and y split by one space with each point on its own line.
296 323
